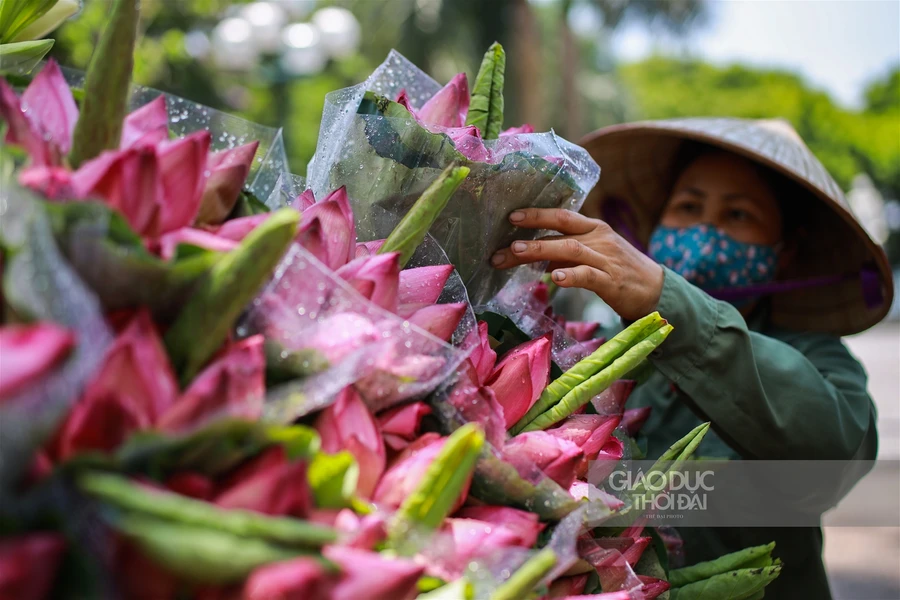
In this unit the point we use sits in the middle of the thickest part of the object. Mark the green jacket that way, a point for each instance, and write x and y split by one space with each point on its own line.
770 394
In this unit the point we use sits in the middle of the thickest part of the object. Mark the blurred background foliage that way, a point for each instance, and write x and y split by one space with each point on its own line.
560 74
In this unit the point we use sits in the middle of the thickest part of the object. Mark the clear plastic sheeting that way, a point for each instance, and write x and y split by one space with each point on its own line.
615 574
387 162
488 573
314 316
269 179
40 286
517 301
430 254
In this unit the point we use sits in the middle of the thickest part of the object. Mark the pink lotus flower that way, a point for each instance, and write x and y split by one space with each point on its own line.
297 579
478 404
558 458
43 119
233 384
581 331
269 484
399 426
520 377
228 171
168 243
363 532
565 587
440 320
221 238
407 469
340 335
525 128
328 230
146 126
372 576
421 287
133 388
51 182
591 433
634 419
304 200
369 249
473 539
446 112
157 188
483 357
653 587
376 278
191 484
631 549
612 400
523 524
28 565
29 352
348 425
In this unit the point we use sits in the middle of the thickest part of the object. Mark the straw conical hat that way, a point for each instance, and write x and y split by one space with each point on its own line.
638 163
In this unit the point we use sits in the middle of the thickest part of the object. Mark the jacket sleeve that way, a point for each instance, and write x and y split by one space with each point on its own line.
802 397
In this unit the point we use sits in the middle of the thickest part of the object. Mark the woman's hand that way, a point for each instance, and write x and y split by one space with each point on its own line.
588 255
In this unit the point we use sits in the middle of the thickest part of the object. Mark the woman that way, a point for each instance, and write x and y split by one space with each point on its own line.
755 259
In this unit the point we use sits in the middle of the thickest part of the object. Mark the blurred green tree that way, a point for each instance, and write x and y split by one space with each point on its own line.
544 77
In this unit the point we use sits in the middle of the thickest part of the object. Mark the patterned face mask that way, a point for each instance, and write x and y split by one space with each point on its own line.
713 260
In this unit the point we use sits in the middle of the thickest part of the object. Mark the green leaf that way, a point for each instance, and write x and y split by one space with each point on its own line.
122 493
486 103
333 478
22 57
107 85
410 232
208 316
16 15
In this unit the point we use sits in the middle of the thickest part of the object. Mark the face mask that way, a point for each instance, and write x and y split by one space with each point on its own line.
713 260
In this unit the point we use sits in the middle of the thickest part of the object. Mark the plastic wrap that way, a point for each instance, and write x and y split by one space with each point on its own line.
307 308
270 179
41 286
387 162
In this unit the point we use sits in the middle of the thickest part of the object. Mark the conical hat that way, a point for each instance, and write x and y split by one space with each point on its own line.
638 163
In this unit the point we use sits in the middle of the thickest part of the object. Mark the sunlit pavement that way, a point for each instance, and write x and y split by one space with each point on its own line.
864 562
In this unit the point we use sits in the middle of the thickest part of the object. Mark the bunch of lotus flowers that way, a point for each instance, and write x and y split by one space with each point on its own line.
158 473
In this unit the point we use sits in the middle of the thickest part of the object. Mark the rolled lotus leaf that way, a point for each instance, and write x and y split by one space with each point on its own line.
589 366
582 394
122 493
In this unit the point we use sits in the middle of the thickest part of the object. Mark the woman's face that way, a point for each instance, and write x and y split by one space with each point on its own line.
725 191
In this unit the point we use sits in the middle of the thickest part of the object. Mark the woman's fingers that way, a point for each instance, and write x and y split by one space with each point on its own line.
583 276
557 249
557 219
